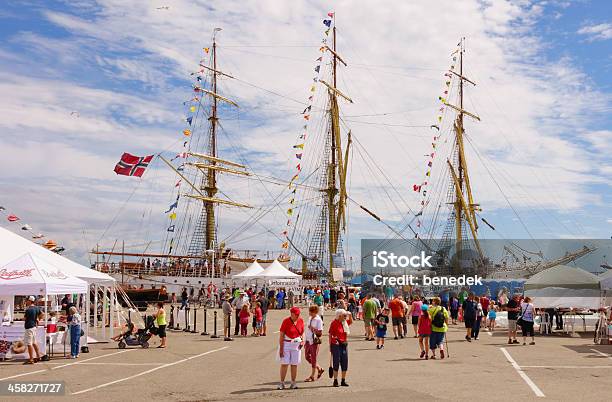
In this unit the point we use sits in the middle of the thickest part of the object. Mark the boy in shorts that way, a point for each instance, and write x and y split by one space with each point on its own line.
382 320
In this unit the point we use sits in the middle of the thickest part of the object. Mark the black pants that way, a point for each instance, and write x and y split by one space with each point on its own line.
237 320
559 320
476 327
527 327
340 357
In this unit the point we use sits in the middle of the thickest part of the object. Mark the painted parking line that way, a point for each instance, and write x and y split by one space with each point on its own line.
602 354
524 376
116 364
568 367
147 371
65 365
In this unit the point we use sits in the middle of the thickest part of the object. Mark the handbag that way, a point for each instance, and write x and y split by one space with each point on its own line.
520 320
316 339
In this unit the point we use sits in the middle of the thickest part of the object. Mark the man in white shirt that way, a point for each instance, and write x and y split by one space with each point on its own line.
238 302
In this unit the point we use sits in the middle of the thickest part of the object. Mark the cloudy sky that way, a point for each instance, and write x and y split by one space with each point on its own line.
83 81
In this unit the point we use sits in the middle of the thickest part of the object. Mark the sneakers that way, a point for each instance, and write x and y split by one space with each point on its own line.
467 338
395 338
422 355
524 343
281 385
532 343
476 338
377 346
343 383
335 383
515 342
293 386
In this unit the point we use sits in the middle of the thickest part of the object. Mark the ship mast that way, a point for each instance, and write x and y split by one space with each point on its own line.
464 210
337 167
211 178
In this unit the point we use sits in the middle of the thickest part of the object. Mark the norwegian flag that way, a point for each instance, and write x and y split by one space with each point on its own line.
131 165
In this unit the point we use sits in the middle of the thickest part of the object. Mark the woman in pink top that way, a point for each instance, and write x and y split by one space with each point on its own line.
424 332
415 312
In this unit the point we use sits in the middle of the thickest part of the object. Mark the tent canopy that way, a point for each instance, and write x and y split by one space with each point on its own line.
13 246
605 280
563 276
276 270
30 275
563 286
251 272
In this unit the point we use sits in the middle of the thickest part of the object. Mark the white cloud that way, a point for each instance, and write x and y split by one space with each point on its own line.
597 31
531 107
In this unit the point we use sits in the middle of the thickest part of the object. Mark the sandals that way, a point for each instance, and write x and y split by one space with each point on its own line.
309 379
161 347
321 371
28 362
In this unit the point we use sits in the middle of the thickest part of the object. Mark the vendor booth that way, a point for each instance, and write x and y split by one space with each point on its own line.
563 286
101 285
30 275
277 276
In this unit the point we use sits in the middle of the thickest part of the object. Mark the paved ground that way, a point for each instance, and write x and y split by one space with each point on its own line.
197 368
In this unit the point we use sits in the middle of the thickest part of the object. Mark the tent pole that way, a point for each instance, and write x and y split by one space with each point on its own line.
87 314
113 310
95 318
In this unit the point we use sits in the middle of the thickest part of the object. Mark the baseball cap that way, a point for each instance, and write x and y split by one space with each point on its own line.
424 307
294 310
32 298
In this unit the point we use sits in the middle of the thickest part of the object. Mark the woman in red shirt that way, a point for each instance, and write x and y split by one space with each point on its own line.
290 346
338 344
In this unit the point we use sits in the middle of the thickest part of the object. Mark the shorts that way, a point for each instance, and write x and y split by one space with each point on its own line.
29 336
454 314
258 324
161 331
512 325
469 322
263 318
415 319
381 333
424 335
396 321
291 355
436 339
368 322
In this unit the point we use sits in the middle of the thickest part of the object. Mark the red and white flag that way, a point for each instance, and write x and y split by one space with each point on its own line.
12 218
131 165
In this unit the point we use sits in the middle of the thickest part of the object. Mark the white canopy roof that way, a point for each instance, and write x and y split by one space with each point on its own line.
605 280
251 272
31 275
13 246
278 271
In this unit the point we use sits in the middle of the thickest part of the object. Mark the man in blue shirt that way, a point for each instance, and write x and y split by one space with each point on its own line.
32 314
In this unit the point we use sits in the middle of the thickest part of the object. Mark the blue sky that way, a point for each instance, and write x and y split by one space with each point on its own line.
541 162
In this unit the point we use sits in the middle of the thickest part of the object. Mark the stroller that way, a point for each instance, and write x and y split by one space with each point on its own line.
141 337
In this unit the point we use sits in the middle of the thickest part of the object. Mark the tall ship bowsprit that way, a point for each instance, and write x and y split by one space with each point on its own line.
191 254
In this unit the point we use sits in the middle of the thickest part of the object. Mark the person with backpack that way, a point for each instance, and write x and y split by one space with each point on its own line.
439 326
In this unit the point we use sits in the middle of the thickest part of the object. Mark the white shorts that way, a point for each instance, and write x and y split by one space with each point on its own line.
29 336
291 354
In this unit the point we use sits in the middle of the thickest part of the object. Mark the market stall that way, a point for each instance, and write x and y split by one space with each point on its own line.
101 285
24 276
277 276
563 286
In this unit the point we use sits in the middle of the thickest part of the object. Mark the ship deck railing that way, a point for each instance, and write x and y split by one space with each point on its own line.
140 270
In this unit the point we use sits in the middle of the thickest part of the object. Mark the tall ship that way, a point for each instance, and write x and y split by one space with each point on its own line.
449 211
191 255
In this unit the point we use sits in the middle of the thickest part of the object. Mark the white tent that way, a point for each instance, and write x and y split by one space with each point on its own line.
276 270
251 272
30 275
564 286
13 246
